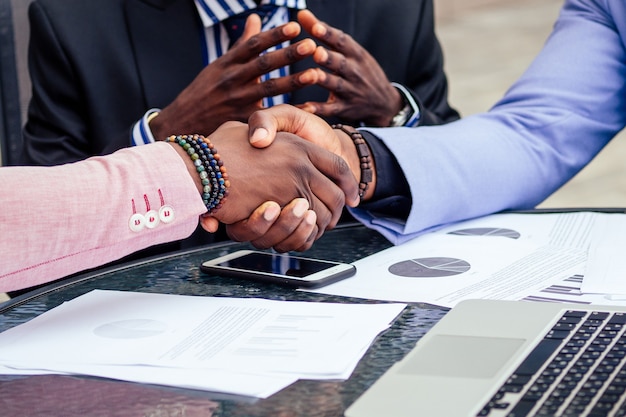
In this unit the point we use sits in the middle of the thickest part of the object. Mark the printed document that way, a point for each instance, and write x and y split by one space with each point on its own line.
211 343
512 256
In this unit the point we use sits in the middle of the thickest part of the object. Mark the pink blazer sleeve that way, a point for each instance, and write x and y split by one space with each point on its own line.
59 220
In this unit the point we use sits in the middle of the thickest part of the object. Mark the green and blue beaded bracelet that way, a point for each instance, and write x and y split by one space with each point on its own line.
210 168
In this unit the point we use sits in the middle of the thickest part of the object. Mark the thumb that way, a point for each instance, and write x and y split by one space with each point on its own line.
252 27
264 124
262 129
209 223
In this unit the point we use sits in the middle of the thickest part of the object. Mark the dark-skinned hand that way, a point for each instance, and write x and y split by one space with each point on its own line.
230 89
292 228
359 91
265 124
268 226
292 168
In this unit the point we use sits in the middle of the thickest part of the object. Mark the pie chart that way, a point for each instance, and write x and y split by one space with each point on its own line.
430 267
131 329
487 231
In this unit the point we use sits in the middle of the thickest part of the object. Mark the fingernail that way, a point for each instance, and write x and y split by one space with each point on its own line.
318 29
306 47
306 77
291 29
321 55
310 218
300 208
271 212
259 134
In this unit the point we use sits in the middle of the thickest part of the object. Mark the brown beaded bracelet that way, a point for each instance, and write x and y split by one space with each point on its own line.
365 158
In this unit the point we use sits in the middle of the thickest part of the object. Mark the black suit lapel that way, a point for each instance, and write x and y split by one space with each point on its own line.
165 37
339 14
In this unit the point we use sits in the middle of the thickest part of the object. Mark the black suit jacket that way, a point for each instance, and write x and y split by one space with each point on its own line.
98 65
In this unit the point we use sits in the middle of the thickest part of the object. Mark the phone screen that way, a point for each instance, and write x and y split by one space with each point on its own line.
278 268
277 264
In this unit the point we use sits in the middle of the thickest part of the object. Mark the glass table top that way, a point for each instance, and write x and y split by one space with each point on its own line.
179 273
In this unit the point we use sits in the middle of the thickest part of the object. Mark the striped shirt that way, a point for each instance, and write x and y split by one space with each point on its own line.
216 40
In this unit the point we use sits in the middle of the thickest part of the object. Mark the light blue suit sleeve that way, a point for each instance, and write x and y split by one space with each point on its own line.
565 108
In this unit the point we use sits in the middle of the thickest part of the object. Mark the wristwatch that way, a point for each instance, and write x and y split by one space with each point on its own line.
409 114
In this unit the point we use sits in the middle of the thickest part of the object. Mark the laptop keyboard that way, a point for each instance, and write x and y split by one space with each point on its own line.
578 369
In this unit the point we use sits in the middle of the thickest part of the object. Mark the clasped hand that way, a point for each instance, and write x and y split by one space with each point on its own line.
286 196
309 182
230 88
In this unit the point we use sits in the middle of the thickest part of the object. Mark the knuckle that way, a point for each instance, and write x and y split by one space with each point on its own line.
270 87
340 86
323 219
263 63
286 228
281 248
261 244
332 35
342 69
290 54
230 80
342 168
294 82
329 59
309 241
339 200
276 35
343 39
255 230
254 43
304 247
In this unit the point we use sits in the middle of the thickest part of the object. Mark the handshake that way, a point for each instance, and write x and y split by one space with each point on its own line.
286 195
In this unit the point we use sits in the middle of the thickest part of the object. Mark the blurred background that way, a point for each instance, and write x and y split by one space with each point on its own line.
487 44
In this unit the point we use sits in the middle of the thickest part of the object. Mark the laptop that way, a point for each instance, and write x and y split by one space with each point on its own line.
509 358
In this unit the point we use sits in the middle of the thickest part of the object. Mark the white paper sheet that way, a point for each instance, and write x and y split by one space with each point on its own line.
249 385
606 268
503 256
197 342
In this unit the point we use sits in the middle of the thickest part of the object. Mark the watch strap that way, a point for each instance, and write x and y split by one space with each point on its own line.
409 114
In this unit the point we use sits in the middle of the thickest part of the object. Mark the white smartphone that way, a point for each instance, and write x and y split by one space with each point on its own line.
278 268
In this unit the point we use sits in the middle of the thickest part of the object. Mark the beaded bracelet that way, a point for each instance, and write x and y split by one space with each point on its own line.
210 167
365 158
